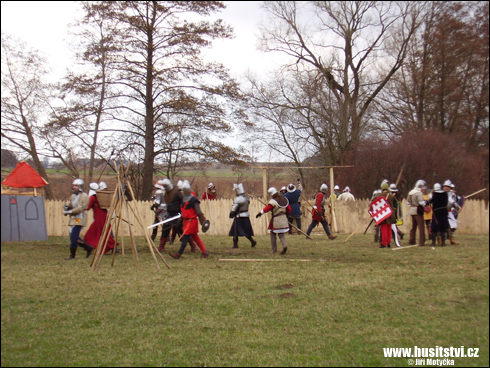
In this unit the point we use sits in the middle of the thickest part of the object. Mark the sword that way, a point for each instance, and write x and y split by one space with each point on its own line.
164 221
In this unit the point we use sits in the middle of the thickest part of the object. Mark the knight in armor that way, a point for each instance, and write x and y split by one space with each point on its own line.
278 225
318 212
336 191
192 216
293 195
158 206
77 210
173 199
438 200
453 209
241 217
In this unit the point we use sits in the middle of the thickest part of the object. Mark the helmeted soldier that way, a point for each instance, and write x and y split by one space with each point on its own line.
191 217
440 222
318 212
77 210
173 199
336 191
158 206
293 195
210 193
241 217
453 209
278 225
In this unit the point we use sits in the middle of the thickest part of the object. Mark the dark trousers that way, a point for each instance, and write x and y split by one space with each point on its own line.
417 223
74 236
314 223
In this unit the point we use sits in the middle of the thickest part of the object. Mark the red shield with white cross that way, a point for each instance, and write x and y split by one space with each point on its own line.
380 209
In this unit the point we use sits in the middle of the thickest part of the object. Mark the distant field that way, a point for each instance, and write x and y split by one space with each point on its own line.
325 303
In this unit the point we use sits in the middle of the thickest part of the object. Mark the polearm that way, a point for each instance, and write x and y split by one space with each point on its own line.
472 194
307 236
164 221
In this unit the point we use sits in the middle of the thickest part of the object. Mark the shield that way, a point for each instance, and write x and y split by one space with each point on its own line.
205 226
380 209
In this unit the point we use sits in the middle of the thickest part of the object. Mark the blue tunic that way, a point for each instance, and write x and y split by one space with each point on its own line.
293 198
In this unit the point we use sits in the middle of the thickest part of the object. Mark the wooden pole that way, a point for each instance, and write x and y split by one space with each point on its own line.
361 225
472 194
332 203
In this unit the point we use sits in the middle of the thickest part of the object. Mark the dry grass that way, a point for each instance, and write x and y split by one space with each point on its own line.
340 309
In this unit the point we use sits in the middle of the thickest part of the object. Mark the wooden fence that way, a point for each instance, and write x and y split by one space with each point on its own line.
349 215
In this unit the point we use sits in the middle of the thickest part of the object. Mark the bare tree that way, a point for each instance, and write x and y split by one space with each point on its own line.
355 47
24 100
89 96
165 80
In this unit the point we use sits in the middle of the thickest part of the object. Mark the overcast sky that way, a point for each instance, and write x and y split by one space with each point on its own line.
43 25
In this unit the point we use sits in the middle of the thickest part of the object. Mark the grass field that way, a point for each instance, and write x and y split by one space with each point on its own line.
341 308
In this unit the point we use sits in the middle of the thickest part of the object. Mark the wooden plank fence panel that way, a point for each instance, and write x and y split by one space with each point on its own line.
474 218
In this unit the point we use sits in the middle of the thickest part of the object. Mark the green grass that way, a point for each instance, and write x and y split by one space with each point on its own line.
341 309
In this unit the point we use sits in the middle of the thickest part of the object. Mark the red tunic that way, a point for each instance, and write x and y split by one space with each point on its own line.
318 214
94 232
190 222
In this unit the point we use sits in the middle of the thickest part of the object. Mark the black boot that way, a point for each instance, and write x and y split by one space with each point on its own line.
72 254
253 241
235 243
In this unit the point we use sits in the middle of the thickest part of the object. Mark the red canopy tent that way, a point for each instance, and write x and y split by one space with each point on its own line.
23 211
24 176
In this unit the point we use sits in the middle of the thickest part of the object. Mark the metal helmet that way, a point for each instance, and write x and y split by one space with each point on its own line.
167 184
94 187
186 186
336 187
346 189
272 191
210 185
438 188
447 183
102 185
291 188
385 186
324 188
393 188
420 183
238 188
179 184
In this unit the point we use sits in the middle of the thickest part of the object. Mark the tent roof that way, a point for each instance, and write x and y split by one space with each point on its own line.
24 176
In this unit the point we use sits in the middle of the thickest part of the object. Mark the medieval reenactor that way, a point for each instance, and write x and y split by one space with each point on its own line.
438 199
398 208
293 195
346 195
241 217
385 225
94 232
210 193
77 210
453 209
158 206
416 203
318 212
336 191
191 217
173 199
280 208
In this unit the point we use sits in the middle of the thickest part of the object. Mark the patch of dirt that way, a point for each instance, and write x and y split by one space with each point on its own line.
286 286
286 295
